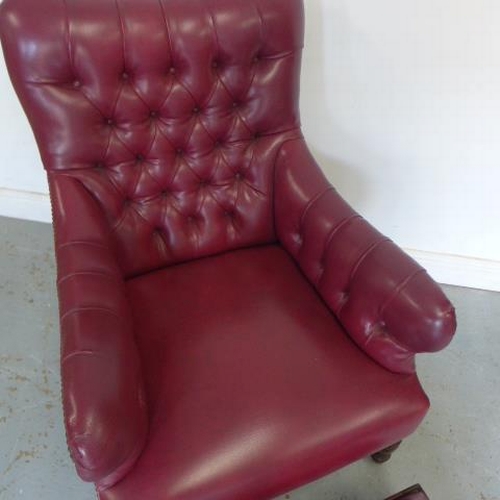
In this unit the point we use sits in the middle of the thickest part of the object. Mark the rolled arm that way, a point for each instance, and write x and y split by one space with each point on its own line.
102 388
387 303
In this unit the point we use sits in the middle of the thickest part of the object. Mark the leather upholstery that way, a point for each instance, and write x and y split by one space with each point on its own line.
170 133
172 124
254 387
384 299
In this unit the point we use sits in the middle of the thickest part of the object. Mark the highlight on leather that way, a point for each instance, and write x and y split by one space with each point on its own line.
170 133
388 304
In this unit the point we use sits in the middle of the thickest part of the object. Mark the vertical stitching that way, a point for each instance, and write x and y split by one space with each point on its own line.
216 36
68 36
122 30
167 29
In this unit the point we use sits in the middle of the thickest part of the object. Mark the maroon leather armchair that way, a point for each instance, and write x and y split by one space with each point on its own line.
230 327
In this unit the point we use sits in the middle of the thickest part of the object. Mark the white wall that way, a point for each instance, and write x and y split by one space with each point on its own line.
400 104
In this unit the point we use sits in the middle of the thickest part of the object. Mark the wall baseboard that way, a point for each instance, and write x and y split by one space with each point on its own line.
459 270
25 205
444 268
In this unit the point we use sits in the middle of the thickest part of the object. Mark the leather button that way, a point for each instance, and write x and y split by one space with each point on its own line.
217 144
179 152
236 104
139 158
172 70
153 114
125 76
238 176
196 110
77 84
215 64
109 121
343 298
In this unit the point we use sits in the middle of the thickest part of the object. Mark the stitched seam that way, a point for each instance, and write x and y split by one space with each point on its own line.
82 242
82 352
79 309
122 32
402 285
329 241
365 254
275 175
310 204
167 30
87 273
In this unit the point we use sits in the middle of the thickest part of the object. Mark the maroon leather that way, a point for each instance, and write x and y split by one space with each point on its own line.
102 386
254 387
384 299
173 124
170 133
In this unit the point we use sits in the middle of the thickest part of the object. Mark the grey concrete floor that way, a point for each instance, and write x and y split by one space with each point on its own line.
455 454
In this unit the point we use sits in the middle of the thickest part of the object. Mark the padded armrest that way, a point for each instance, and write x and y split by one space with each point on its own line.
103 398
387 303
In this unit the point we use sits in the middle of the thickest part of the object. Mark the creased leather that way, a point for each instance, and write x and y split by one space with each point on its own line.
171 137
103 390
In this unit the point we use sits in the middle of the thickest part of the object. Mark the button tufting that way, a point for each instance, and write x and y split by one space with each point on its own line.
343 298
215 64
238 176
125 76
153 114
217 144
77 84
236 104
297 238
139 157
196 110
172 70
257 58
257 135
179 152
109 121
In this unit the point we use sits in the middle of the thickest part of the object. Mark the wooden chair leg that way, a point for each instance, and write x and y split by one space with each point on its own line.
384 455
413 493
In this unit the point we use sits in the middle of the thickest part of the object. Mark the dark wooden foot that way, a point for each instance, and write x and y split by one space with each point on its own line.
414 493
383 455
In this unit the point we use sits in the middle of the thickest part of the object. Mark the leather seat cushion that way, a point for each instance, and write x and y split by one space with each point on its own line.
252 384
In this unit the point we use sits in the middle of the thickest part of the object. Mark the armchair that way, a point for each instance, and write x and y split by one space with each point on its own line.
230 327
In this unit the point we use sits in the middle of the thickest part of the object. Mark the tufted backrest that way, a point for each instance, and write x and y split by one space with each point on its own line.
168 113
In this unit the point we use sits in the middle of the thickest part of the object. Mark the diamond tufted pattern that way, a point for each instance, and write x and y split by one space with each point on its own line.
170 133
170 113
